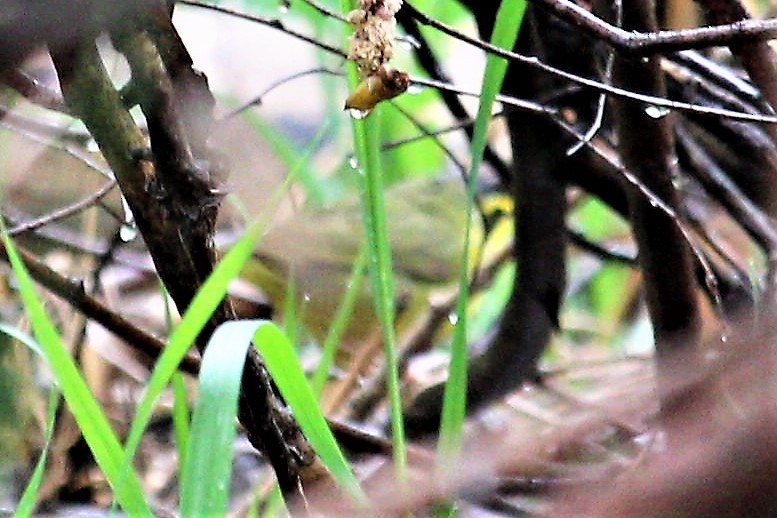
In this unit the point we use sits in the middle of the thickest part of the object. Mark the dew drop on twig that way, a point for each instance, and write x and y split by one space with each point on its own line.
656 112
414 89
128 232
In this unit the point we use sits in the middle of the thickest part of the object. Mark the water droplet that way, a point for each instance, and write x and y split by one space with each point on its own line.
284 6
643 439
353 162
656 112
358 114
415 89
128 232
453 318
306 297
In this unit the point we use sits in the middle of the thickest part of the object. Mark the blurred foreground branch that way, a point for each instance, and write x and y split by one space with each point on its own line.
171 188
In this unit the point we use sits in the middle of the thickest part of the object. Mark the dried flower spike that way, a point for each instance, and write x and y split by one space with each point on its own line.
371 48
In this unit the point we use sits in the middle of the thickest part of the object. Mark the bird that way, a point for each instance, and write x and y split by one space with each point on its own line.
315 250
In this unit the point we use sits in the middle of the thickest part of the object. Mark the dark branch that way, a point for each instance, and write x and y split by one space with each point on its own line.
654 42
646 148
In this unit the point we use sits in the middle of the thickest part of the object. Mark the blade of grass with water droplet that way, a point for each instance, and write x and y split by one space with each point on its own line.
508 22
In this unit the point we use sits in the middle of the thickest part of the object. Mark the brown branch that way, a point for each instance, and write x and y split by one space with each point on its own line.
174 204
63 212
73 292
757 57
719 185
599 251
646 148
598 86
538 187
746 152
423 19
726 32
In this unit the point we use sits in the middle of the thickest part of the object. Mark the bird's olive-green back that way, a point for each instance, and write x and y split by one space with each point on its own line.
426 223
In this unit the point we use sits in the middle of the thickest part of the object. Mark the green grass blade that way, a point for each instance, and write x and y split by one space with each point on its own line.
339 323
180 418
367 142
23 338
205 481
27 502
292 310
91 420
180 397
506 28
197 314
284 367
366 137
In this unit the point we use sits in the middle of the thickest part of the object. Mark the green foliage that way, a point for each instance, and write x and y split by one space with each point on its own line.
91 420
367 144
180 417
206 475
335 333
282 362
205 444
193 321
27 502
506 28
422 157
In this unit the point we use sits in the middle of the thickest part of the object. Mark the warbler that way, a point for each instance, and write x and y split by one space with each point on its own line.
426 221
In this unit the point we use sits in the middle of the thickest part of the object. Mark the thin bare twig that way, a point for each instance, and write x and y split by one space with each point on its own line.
73 292
718 184
326 11
63 212
270 22
728 32
585 244
757 57
648 100
258 99
531 61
